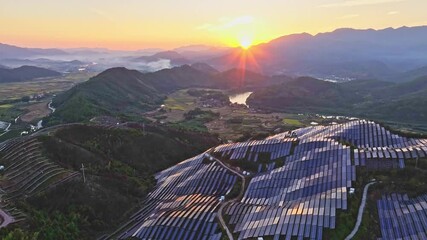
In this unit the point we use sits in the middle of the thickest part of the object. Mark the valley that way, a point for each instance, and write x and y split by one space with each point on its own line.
319 135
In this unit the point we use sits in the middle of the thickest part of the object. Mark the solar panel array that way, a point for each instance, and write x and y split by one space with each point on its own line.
250 151
300 198
377 147
184 203
403 218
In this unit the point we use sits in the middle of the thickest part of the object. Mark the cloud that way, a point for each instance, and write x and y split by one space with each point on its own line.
349 16
354 3
226 23
393 13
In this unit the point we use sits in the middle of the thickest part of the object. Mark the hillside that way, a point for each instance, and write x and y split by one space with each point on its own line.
203 67
369 99
410 75
168 80
120 164
25 73
115 91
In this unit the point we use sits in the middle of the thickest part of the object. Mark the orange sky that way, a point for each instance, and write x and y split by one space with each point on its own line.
138 24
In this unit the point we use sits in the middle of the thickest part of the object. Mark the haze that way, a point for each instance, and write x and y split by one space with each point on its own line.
135 24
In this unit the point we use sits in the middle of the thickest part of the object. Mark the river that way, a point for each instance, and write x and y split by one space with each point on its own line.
239 98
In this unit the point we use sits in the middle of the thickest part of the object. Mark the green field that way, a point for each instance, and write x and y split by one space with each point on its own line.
6 106
180 101
13 91
293 122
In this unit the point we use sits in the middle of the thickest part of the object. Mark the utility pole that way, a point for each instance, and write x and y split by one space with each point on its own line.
83 170
143 128
416 162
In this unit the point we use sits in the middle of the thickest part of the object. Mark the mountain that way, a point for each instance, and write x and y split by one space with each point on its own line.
127 93
112 92
10 51
386 101
56 65
203 67
343 53
124 92
169 80
174 57
25 73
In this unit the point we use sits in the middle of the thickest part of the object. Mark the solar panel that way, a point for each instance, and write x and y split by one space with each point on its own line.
298 199
401 217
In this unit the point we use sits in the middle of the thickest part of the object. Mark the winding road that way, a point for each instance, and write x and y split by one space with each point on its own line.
361 209
224 203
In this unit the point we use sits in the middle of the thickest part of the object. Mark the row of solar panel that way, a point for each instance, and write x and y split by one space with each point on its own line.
361 133
300 198
184 204
380 158
403 218
250 150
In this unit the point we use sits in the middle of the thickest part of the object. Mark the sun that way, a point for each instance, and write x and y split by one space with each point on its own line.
245 42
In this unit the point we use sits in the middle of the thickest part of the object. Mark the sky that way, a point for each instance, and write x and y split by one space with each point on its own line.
141 24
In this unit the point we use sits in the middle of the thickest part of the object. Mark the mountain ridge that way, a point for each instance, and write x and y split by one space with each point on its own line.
25 73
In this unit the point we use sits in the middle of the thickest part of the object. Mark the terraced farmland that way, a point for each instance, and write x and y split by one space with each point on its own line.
307 180
27 170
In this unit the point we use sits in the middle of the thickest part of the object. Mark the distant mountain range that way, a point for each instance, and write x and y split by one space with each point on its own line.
10 51
389 54
25 73
343 53
175 58
55 65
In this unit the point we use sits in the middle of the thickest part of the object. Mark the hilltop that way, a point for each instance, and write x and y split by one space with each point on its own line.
112 92
25 73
